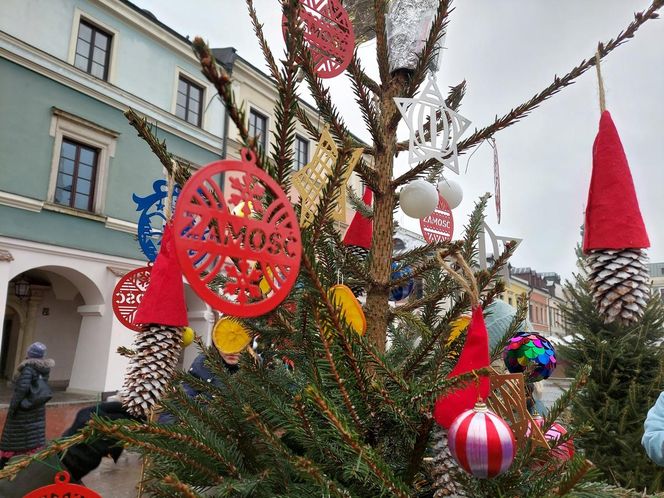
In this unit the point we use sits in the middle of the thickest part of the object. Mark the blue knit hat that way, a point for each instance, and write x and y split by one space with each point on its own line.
36 350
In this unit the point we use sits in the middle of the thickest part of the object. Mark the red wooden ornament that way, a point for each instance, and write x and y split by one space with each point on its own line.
244 234
328 34
62 489
439 225
128 294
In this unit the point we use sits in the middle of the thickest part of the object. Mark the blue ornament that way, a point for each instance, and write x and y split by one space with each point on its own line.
152 218
405 289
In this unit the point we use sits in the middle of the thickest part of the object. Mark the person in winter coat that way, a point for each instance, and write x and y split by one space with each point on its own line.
653 436
200 371
25 427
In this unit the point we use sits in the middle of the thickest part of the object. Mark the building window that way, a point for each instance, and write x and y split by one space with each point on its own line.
258 127
93 50
75 186
301 152
530 312
189 103
661 292
82 151
510 301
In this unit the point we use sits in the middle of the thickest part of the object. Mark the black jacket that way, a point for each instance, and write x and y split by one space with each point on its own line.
83 458
26 429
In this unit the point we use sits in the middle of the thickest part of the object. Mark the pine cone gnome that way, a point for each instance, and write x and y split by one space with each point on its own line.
157 346
614 236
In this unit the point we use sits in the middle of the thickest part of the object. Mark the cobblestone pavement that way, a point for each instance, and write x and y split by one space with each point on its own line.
116 480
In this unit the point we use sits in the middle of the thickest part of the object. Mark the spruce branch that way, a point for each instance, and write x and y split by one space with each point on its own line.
380 9
54 447
558 84
222 82
181 171
419 448
379 468
365 100
173 482
304 466
286 85
359 427
367 174
125 432
340 331
564 401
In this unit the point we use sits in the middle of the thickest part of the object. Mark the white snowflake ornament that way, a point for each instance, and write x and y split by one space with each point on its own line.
426 140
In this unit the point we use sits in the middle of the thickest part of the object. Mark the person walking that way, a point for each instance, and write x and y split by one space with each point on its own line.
25 427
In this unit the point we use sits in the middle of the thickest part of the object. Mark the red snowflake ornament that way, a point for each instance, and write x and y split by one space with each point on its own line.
127 296
242 235
328 34
62 489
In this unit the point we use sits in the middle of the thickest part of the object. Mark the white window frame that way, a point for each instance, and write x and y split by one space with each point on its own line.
308 142
70 126
78 15
174 98
268 120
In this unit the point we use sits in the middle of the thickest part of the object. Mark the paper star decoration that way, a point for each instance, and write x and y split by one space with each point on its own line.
426 140
494 246
312 179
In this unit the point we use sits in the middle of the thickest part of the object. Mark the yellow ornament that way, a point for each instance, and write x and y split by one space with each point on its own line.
342 297
458 326
263 285
339 213
239 209
230 336
311 180
188 335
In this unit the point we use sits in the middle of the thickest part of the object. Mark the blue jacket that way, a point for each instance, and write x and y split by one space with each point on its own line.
653 437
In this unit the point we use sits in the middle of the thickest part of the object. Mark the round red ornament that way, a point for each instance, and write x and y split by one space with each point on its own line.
62 489
127 296
481 442
439 225
216 236
328 34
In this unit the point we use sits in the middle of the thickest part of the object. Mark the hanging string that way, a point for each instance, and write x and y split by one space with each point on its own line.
477 147
468 284
600 81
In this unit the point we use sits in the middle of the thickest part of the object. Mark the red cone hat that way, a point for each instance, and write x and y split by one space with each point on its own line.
163 302
360 231
613 217
474 355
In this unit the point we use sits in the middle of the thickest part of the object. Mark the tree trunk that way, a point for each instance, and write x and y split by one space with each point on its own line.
377 307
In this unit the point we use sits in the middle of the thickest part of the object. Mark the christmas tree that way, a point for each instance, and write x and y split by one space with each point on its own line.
331 409
626 378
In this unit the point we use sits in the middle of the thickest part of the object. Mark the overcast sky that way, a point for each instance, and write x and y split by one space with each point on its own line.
507 51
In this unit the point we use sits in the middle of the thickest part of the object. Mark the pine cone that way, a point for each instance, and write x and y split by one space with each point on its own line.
445 469
619 283
157 351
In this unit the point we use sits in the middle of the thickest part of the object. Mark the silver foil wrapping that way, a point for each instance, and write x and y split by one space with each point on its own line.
408 23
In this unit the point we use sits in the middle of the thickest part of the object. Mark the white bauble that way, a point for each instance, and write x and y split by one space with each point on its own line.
450 191
418 199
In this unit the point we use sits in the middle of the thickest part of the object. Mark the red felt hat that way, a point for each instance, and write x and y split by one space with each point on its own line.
474 355
163 302
360 231
613 217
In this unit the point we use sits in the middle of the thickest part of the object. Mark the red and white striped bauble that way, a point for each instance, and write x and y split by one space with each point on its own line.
481 442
